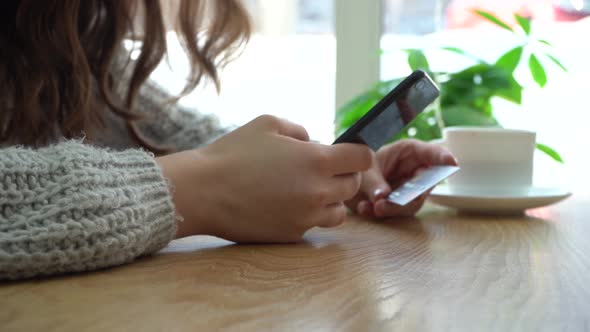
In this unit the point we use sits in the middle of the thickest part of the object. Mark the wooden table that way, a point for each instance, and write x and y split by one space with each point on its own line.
439 272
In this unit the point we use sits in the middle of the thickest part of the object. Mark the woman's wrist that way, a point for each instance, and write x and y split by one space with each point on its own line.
182 171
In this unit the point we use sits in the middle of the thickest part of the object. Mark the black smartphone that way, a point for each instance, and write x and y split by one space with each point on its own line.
393 113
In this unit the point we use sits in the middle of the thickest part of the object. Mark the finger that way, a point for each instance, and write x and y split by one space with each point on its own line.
430 154
365 209
385 209
374 185
293 130
343 187
283 127
417 171
447 158
332 215
346 158
433 154
404 157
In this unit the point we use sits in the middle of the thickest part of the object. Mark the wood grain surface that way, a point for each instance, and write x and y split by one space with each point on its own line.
439 272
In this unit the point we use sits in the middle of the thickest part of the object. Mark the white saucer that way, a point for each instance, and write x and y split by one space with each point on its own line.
498 204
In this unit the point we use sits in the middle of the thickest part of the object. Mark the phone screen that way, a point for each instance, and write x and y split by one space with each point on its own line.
394 112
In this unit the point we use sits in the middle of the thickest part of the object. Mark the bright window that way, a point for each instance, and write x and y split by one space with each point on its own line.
558 112
287 69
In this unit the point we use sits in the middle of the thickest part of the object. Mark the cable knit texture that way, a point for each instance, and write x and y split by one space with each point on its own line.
72 207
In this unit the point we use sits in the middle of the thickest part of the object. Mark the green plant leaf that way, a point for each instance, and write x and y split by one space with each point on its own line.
557 62
543 41
353 110
454 50
362 101
384 87
348 114
462 52
525 23
550 152
421 128
537 70
475 86
492 18
466 116
417 60
512 93
510 59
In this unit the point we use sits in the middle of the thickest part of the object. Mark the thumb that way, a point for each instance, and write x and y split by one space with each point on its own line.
374 185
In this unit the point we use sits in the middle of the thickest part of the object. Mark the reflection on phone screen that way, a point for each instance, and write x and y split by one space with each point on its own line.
399 113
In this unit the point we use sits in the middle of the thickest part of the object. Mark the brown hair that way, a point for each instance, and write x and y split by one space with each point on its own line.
56 58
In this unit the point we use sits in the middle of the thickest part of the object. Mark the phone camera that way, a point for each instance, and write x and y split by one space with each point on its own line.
420 85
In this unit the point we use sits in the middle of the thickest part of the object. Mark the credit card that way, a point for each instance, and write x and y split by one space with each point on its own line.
421 183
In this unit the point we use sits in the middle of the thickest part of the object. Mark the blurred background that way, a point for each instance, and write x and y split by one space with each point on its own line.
307 58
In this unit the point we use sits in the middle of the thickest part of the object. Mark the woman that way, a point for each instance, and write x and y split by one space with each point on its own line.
78 189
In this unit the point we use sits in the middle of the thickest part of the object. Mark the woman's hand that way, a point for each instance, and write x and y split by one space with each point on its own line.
393 165
264 182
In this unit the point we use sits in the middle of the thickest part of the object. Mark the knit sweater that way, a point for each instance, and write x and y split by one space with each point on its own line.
72 206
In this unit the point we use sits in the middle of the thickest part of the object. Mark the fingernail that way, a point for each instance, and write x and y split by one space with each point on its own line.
448 156
379 193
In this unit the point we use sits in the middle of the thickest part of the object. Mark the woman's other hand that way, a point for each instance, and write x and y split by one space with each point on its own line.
394 164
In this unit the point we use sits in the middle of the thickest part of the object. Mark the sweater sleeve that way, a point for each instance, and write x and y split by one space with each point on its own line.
166 124
172 125
71 207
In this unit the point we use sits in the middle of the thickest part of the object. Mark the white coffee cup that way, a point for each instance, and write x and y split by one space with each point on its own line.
492 160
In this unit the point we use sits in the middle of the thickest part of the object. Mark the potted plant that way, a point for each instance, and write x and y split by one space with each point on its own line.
466 95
